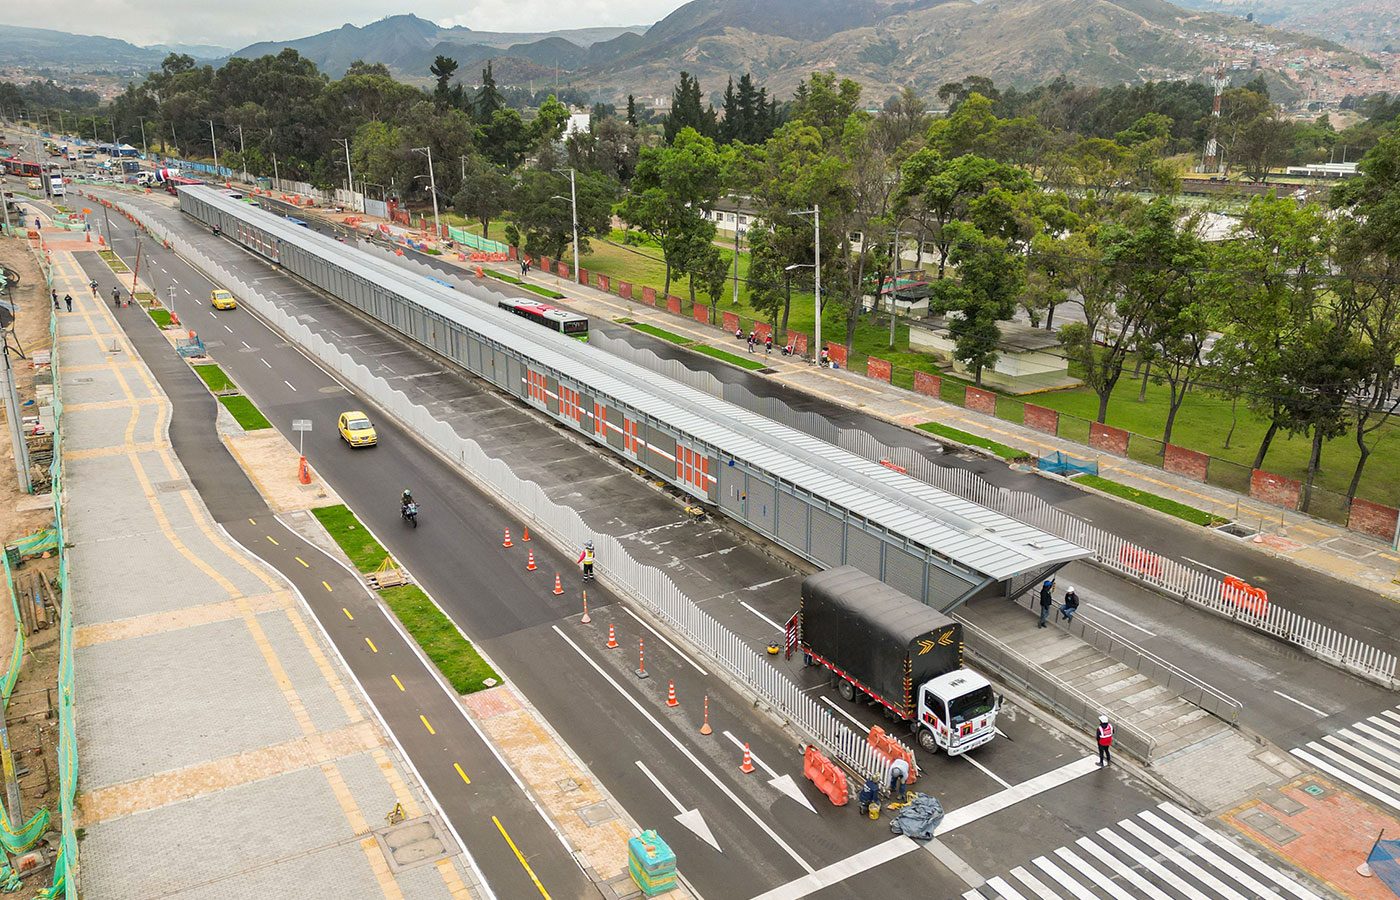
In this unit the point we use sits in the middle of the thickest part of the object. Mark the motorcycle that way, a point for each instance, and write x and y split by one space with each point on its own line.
409 512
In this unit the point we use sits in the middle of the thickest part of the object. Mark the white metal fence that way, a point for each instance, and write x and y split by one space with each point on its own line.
1111 552
647 586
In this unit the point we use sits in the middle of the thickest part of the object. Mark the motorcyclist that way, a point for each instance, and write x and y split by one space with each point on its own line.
406 500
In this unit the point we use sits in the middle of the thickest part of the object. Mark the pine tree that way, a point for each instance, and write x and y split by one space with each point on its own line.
734 125
687 111
488 97
631 110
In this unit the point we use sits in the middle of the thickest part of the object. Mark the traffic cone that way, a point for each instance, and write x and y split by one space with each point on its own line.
642 659
671 695
612 638
530 563
558 588
586 618
705 728
507 543
747 765
527 534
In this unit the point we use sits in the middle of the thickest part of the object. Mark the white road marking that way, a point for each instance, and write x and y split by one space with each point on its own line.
228 329
683 655
245 343
264 362
690 818
1002 799
1100 611
686 752
1302 704
1197 562
838 872
289 384
745 605
986 771
832 703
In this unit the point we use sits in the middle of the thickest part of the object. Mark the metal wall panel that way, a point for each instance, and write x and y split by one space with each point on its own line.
904 572
585 413
792 521
731 490
661 451
826 544
515 375
613 428
713 486
944 587
761 505
863 550
551 399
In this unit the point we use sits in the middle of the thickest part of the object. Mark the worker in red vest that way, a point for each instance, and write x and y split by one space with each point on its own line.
1105 734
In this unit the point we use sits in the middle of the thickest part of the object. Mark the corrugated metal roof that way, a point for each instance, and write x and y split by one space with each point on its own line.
974 536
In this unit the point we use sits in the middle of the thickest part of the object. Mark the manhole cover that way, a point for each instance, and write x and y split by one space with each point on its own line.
1268 826
567 784
332 389
596 813
415 842
172 487
1313 789
1354 549
1235 529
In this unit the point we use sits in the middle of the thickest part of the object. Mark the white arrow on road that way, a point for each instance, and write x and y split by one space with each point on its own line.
782 783
690 818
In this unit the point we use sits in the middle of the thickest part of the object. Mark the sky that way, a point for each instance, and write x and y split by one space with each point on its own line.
235 25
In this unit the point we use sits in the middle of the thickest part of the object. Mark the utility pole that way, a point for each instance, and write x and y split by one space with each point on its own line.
894 288
816 213
432 186
12 412
736 253
242 159
145 150
573 201
275 177
214 142
349 178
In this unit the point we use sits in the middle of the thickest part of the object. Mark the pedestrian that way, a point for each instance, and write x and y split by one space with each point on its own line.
1070 605
899 774
55 299
1105 735
93 284
68 301
586 557
36 223
750 343
868 795
768 344
738 334
1047 600
116 296
524 268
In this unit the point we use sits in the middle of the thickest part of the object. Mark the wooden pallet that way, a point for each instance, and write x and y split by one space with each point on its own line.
386 578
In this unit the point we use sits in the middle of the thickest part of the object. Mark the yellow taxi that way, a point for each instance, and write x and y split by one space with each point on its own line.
356 429
222 299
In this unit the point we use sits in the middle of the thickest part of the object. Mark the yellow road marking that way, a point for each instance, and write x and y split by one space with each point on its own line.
303 562
371 645
458 767
519 856
251 522
270 538
327 586
396 681
426 725
347 614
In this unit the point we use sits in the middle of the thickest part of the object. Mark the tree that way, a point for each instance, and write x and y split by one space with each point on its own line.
542 210
990 279
488 99
946 188
616 149
443 68
671 190
506 139
1263 143
687 110
955 93
484 196
1180 322
632 110
550 122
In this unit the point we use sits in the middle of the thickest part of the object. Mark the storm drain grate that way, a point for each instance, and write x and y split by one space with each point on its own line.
596 813
413 843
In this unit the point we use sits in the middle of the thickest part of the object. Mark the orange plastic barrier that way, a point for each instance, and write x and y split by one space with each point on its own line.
891 750
889 465
1148 564
826 775
1245 597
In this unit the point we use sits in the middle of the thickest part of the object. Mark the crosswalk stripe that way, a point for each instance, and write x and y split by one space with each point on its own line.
1063 879
1341 775
973 895
1391 714
1388 719
1182 863
1351 762
1239 853
1151 865
1090 872
1387 739
1128 873
1036 887
1260 890
1362 748
1006 891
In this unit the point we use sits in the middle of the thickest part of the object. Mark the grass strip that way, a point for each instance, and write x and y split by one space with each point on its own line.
501 276
118 266
245 413
543 292
1143 498
660 332
215 377
450 652
974 440
160 316
750 364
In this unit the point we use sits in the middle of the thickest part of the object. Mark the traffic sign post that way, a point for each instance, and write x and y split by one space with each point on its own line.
302 426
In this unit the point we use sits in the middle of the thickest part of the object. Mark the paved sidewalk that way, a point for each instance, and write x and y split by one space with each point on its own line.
224 751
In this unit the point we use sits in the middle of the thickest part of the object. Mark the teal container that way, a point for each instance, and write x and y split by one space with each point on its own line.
652 863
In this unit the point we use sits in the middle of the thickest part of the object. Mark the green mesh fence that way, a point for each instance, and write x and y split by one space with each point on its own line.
476 242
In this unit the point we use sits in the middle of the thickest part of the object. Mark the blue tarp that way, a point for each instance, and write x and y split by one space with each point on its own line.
1064 464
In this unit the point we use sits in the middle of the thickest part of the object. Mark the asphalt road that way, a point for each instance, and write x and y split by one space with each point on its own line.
590 694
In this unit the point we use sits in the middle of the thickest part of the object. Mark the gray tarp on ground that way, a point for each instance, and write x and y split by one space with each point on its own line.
919 820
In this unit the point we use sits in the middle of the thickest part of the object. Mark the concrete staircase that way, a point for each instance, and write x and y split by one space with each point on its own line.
1125 694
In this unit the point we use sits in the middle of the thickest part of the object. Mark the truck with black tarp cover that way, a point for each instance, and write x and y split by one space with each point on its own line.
901 653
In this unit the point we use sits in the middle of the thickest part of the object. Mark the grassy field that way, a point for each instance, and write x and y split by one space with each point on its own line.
215 377
1152 501
974 440
160 316
453 654
245 413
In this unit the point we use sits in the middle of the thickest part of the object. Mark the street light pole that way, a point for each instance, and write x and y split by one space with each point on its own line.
349 177
242 159
573 202
214 142
894 288
432 186
145 148
816 214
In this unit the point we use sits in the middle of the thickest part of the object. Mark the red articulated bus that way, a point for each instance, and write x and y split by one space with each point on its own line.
16 166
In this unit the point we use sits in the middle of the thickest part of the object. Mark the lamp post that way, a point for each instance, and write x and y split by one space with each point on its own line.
573 205
349 177
145 150
432 186
816 213
241 158
215 144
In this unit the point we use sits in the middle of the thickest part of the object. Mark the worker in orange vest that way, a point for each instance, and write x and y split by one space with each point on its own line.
1105 734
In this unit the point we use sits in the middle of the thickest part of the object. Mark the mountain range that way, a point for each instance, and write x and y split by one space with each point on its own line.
1364 25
